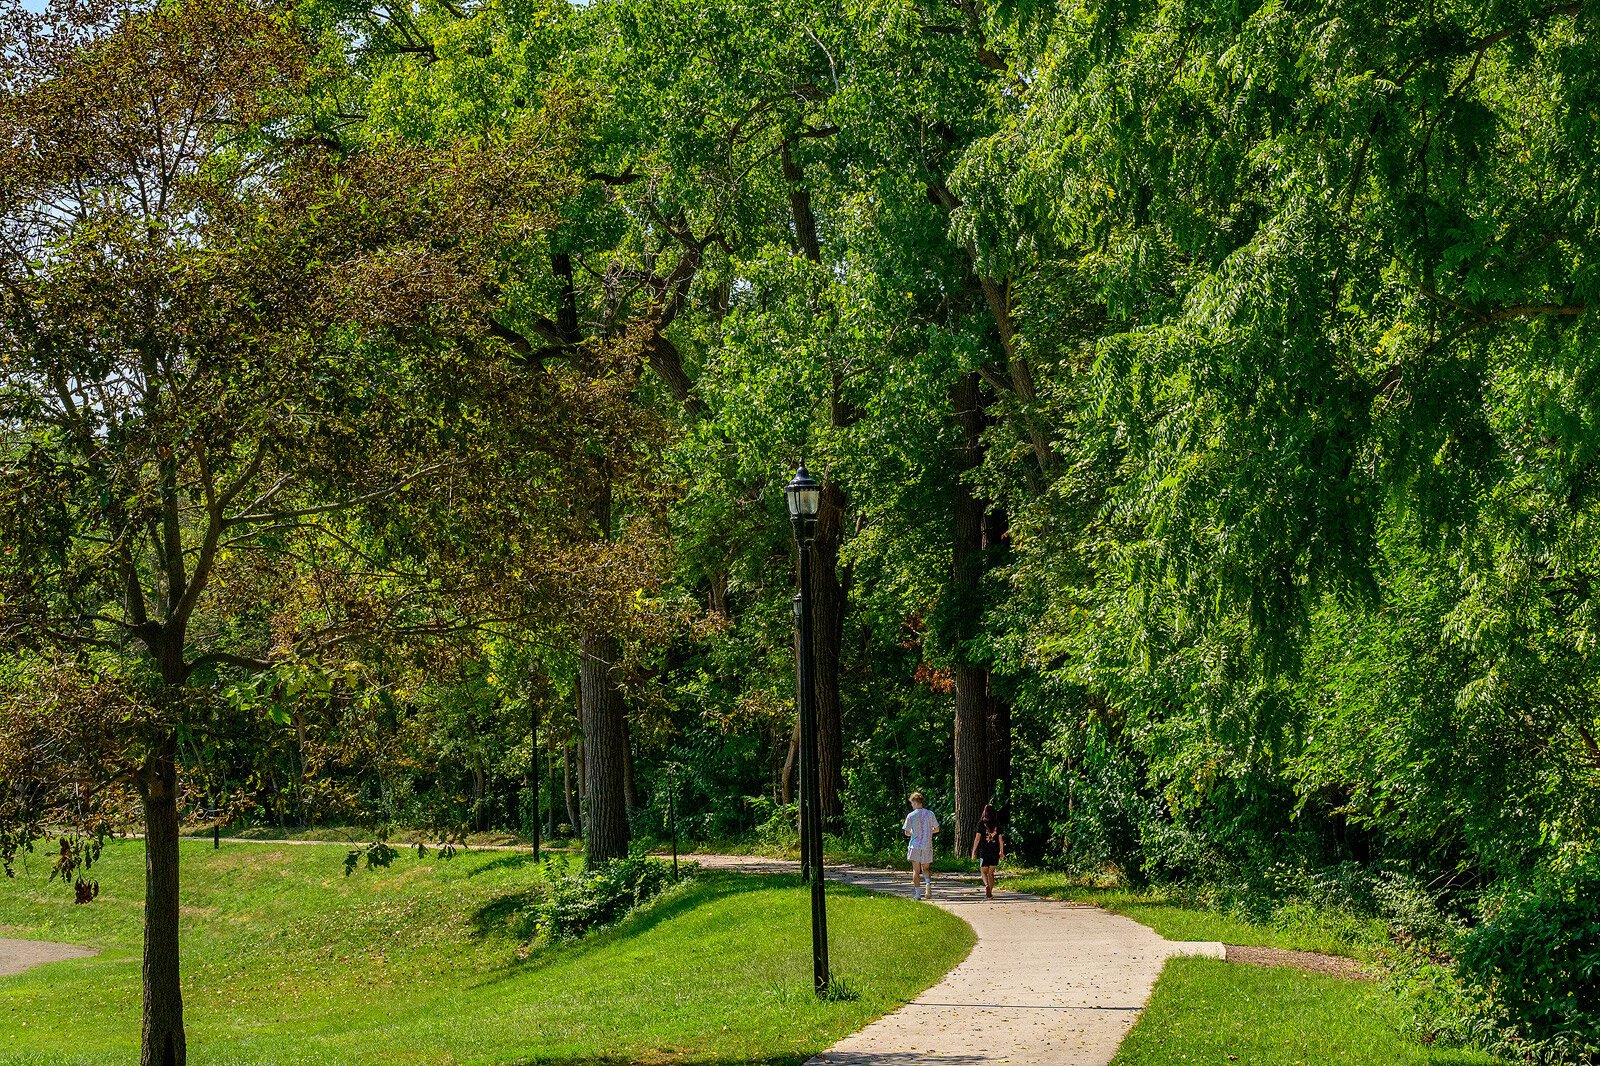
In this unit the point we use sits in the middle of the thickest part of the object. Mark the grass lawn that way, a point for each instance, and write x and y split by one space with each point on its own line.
1209 1011
288 961
1298 929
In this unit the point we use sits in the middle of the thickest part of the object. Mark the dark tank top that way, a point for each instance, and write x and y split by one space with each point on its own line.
989 849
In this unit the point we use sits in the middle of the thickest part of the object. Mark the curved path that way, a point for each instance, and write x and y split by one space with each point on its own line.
19 955
1048 983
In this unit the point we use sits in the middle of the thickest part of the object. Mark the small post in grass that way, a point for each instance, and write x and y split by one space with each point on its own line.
533 734
672 813
805 496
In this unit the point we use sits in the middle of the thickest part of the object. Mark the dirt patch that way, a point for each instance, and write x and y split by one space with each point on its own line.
1309 961
19 955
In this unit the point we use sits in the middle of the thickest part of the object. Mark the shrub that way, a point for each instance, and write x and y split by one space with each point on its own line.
777 830
580 902
1437 1008
1535 960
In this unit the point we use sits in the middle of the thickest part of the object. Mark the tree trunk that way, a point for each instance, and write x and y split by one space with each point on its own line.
299 792
547 784
973 782
827 638
717 596
573 819
162 1040
996 546
630 791
828 594
605 749
789 761
999 743
974 786
806 241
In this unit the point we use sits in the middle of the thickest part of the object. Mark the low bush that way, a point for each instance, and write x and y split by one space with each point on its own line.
1436 1007
1535 962
777 828
580 902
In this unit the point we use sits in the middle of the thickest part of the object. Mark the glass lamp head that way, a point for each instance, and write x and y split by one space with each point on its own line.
804 495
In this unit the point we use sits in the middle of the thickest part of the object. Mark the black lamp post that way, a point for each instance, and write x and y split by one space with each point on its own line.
805 495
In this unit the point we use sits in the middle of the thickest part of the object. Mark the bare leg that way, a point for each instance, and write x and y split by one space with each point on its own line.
916 880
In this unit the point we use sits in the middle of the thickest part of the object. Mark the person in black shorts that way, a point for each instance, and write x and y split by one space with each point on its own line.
988 847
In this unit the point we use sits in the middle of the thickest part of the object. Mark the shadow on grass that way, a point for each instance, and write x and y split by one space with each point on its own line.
509 915
704 1059
506 861
842 1058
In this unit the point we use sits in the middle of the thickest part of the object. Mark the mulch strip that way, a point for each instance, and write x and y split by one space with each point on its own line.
1309 961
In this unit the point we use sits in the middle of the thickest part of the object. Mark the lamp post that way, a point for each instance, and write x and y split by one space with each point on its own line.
804 496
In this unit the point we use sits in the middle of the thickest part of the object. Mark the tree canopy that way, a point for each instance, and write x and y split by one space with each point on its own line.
395 402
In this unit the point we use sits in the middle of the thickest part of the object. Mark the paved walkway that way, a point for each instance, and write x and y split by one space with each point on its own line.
19 955
1049 983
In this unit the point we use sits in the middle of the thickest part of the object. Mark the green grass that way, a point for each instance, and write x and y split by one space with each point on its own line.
1209 1011
1296 928
345 834
288 961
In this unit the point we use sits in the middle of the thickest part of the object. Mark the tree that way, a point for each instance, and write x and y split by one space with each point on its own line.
236 357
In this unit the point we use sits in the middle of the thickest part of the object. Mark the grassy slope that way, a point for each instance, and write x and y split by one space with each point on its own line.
1209 1011
287 961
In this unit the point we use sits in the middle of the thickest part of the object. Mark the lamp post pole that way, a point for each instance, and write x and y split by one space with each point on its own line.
804 495
672 812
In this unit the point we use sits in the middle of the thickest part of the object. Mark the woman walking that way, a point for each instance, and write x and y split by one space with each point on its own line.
919 827
988 847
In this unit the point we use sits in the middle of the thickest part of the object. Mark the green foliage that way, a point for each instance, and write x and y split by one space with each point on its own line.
579 902
1261 335
1536 960
779 831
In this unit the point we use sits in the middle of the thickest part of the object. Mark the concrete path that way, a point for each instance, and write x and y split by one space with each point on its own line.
1049 983
19 955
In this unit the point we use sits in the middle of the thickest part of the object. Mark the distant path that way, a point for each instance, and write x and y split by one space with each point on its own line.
19 955
1049 983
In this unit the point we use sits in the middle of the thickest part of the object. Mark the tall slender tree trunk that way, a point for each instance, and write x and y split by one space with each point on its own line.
162 1039
573 818
828 596
548 784
605 749
789 759
974 783
999 742
630 791
995 547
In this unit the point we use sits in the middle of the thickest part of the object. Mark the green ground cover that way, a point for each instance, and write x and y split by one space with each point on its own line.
288 961
1209 1011
1297 928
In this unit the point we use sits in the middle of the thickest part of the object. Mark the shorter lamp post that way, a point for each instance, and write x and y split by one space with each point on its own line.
672 813
804 496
